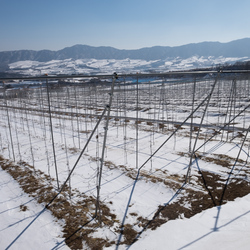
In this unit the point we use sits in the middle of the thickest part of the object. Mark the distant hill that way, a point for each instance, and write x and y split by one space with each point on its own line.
237 48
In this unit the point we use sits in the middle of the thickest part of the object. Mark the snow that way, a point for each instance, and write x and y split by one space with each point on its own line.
108 66
226 227
36 228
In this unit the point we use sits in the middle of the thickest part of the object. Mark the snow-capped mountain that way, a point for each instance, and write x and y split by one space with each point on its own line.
237 48
84 59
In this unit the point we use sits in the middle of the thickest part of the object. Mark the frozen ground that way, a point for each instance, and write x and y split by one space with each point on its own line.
144 195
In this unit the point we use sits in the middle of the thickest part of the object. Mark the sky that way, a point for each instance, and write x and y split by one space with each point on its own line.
130 24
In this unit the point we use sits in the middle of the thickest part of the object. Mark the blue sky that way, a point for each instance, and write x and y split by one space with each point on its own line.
130 24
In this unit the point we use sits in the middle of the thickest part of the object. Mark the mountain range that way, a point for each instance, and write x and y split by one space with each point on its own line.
237 48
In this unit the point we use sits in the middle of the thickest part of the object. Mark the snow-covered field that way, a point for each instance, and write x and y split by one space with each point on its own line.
156 180
107 66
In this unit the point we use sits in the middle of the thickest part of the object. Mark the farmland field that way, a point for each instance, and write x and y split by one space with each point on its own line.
114 158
